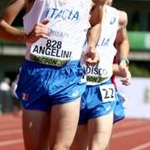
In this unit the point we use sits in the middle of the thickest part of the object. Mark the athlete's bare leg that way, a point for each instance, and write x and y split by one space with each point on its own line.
64 122
81 139
100 132
35 129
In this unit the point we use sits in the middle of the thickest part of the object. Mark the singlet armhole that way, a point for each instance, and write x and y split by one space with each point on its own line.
30 11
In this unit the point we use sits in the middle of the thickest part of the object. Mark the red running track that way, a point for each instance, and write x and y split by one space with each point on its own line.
129 134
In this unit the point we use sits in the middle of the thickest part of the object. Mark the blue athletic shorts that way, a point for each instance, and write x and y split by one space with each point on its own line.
119 110
92 103
41 86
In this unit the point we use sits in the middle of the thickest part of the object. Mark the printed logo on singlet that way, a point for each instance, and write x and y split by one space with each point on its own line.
58 34
65 14
113 20
95 70
105 42
95 73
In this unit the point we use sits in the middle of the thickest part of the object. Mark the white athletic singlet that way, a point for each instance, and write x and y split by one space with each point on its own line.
103 71
68 25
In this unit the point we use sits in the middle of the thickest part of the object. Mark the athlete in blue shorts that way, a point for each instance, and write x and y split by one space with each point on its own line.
50 84
100 100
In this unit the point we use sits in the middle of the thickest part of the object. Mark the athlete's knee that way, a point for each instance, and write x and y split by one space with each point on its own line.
100 144
98 147
61 146
78 146
103 147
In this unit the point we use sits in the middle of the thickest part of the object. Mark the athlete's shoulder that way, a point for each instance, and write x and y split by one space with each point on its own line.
16 6
123 17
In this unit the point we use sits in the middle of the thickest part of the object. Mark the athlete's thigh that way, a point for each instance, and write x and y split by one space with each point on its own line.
100 131
35 129
63 124
80 141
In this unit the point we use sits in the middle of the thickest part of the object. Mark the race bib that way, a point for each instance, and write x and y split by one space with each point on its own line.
107 92
53 51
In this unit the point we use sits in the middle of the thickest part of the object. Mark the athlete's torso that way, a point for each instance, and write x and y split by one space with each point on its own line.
68 25
103 71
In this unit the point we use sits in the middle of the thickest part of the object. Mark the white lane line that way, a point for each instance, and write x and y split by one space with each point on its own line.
12 131
11 142
9 126
132 123
115 135
142 146
130 132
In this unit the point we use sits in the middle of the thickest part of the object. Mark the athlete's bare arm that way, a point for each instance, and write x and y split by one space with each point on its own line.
122 45
122 42
92 56
95 21
10 33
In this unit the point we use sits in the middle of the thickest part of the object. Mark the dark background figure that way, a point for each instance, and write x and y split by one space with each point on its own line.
16 103
5 96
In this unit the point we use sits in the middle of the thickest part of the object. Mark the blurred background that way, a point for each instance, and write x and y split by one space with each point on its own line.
12 55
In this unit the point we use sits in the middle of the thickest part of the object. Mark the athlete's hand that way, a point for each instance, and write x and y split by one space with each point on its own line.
127 79
125 74
91 56
40 30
